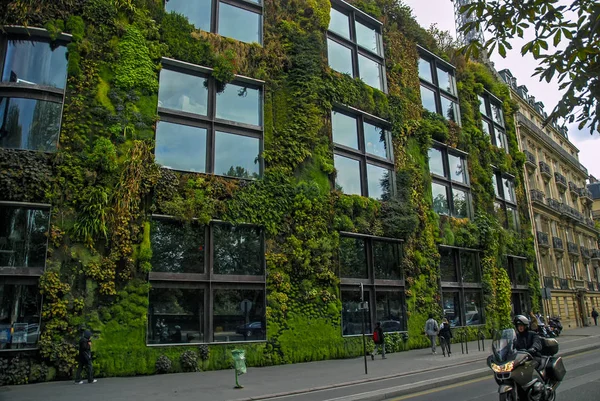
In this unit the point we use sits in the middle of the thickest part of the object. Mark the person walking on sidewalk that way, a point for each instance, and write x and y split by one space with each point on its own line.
85 358
431 330
445 336
379 340
595 316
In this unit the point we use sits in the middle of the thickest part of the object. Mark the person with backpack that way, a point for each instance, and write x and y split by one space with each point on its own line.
379 340
445 336
431 330
85 358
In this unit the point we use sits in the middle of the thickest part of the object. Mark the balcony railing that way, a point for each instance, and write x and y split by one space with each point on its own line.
554 205
589 222
549 282
569 212
557 243
564 283
561 181
537 196
586 253
530 159
573 248
591 286
573 188
595 253
545 169
543 239
586 194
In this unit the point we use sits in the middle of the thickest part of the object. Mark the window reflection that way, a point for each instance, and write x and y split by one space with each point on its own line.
353 259
367 38
180 147
240 24
237 155
352 314
486 128
23 237
344 129
495 185
473 309
347 175
436 162
482 108
440 198
428 99
177 247
497 114
370 71
457 168
425 70
176 315
340 57
446 81
237 250
376 142
509 189
183 92
451 302
198 11
448 265
389 311
460 205
240 104
469 267
449 109
387 256
339 23
379 182
512 219
239 315
35 63
20 306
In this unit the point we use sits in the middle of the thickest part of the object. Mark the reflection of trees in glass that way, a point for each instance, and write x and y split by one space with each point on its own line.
460 204
240 172
469 266
390 311
176 315
440 204
452 308
45 126
353 261
228 315
237 250
448 265
23 237
352 315
387 260
386 186
177 247
11 132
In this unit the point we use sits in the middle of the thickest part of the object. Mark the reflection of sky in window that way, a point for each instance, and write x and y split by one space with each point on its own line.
340 57
509 191
497 115
348 175
236 155
183 92
512 217
440 198
436 163
376 140
460 203
378 180
197 11
240 104
425 70
30 124
239 24
457 168
367 38
181 147
428 99
448 109
495 184
482 108
344 130
370 71
339 23
35 63
446 81
486 127
500 139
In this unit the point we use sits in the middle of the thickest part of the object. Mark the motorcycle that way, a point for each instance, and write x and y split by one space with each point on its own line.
518 374
556 325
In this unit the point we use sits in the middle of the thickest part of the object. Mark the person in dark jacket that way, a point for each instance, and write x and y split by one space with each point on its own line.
595 316
445 335
85 358
379 340
527 340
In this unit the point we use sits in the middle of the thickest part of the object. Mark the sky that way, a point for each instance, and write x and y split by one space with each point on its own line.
441 12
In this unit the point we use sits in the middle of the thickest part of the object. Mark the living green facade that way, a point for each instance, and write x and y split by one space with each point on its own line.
183 192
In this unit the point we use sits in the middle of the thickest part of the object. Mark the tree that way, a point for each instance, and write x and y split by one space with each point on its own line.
572 26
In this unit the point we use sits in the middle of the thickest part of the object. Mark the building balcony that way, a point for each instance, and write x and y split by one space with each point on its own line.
572 248
557 244
579 284
543 239
561 181
573 188
586 253
554 205
595 253
586 195
545 170
549 282
537 196
530 160
571 213
589 222
563 283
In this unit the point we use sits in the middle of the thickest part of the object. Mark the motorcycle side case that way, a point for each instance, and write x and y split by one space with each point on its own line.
549 346
556 369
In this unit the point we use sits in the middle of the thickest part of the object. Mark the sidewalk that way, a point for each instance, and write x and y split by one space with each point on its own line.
269 382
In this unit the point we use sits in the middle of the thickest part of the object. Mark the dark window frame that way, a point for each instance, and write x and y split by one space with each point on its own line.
448 182
489 99
512 273
504 202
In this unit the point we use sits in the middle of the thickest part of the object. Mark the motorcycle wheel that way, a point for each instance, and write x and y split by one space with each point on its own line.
507 397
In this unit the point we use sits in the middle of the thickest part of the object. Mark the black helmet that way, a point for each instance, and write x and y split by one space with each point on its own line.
520 319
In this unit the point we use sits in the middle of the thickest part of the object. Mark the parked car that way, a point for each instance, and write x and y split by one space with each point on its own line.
391 325
251 329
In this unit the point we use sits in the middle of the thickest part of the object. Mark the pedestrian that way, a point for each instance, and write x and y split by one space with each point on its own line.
379 340
445 336
595 315
431 330
533 322
85 358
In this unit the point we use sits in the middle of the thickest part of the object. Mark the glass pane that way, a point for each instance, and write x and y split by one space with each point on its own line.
180 147
240 104
237 155
459 198
511 217
376 141
428 99
436 162
23 238
29 124
370 72
446 81
390 311
451 303
340 57
344 129
352 315
500 213
458 168
198 11
387 258
470 267
482 108
240 24
495 185
353 259
237 250
177 247
486 128
440 198
19 315
509 190
501 139
449 109
473 309
379 182
520 271
367 38
347 177
35 63
183 92
448 265
425 70
176 316
239 315
497 115
339 23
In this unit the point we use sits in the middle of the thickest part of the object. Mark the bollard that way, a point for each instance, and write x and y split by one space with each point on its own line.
481 337
239 361
462 335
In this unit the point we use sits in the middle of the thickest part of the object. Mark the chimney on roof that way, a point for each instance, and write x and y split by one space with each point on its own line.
523 92
531 100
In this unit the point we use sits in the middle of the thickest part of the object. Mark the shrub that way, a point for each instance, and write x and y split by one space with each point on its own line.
189 361
163 364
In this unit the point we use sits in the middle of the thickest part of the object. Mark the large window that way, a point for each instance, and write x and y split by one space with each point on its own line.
492 117
439 93
505 204
34 75
20 304
354 45
204 130
517 271
363 155
208 283
237 19
450 181
373 262
460 273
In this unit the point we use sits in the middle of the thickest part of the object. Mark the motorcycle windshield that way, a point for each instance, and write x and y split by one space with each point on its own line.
504 345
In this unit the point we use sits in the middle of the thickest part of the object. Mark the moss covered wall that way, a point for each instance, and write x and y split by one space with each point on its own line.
102 182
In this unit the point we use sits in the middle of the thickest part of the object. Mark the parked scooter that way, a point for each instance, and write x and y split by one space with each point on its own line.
556 325
517 373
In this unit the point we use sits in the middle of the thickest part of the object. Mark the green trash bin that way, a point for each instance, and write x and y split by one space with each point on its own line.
239 362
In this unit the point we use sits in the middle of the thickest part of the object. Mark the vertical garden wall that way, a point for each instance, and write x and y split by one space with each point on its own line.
103 185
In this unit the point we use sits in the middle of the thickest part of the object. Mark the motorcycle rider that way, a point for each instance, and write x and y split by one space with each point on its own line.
527 340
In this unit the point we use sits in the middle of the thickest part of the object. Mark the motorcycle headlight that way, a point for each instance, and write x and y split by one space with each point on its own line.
507 367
